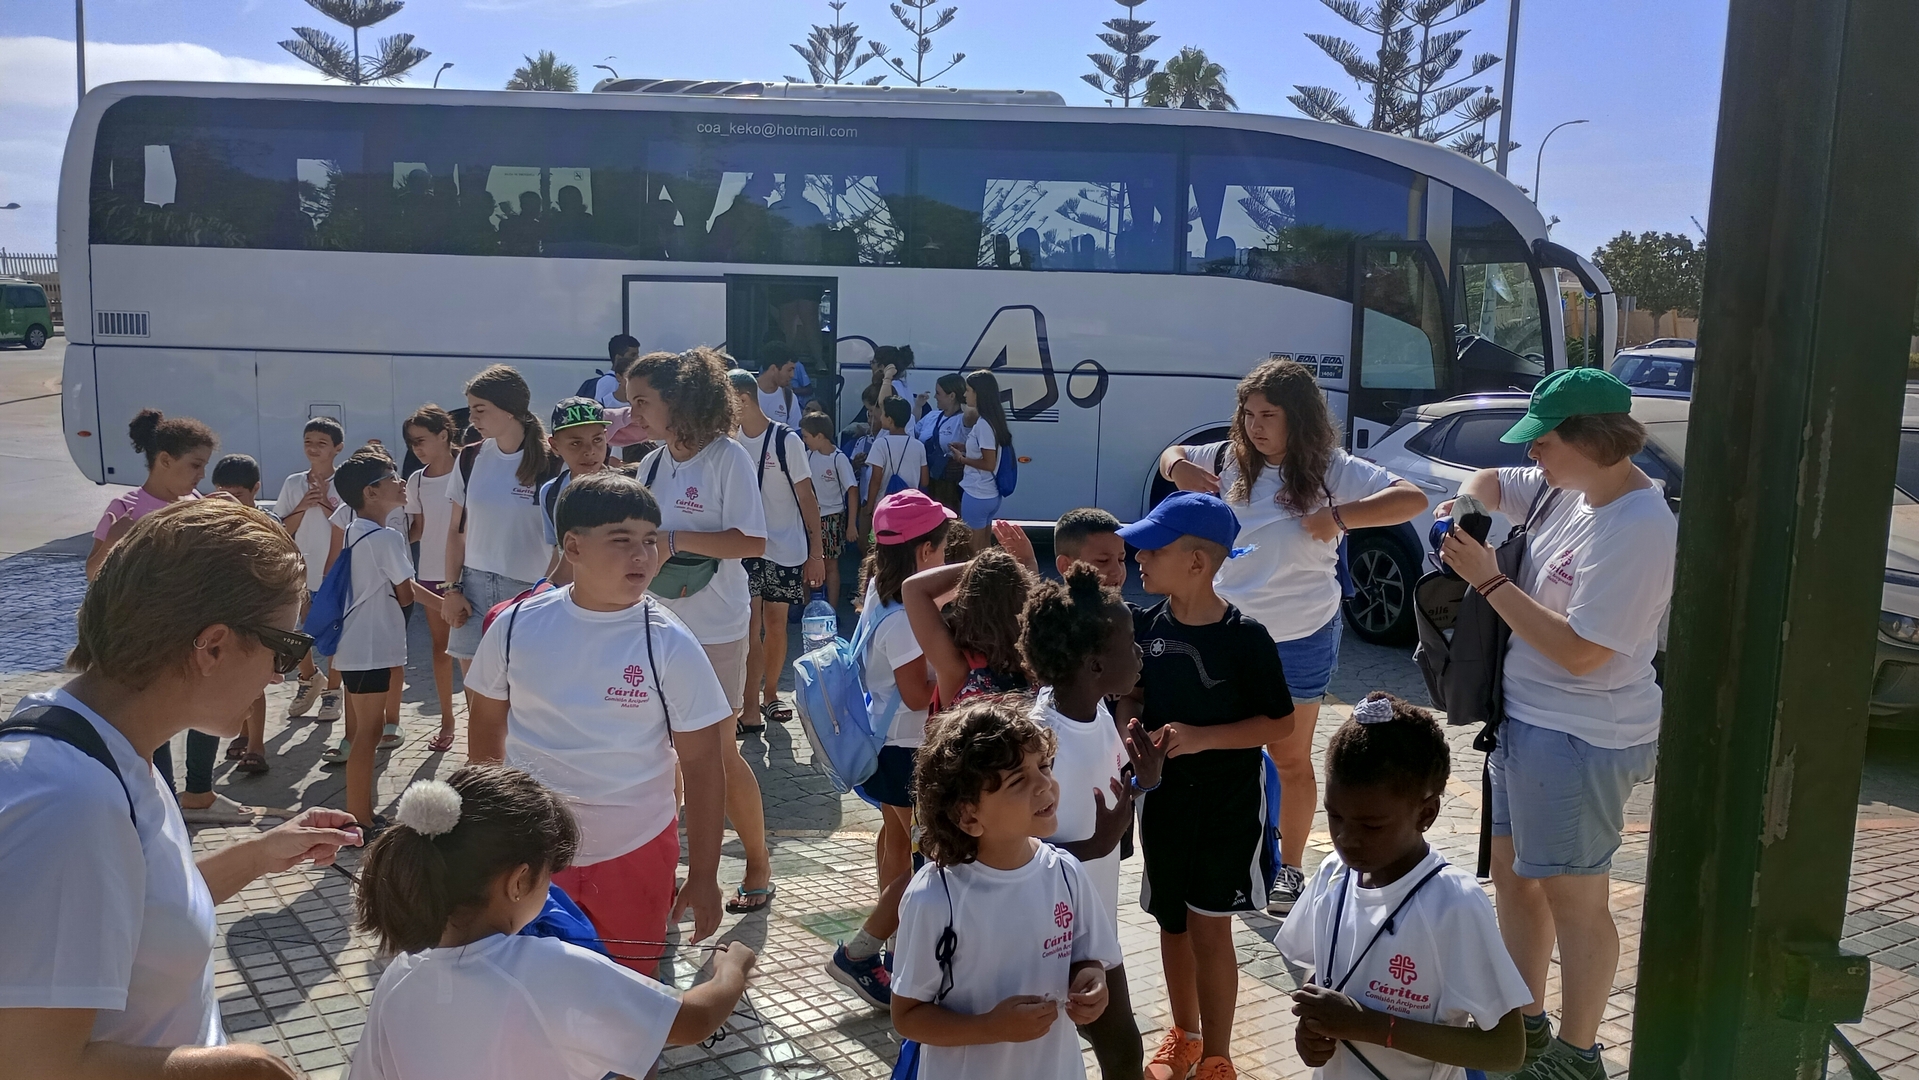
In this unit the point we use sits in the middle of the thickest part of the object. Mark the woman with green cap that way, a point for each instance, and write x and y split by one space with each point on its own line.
1581 703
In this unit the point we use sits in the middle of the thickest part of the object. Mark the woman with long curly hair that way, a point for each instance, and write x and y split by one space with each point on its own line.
711 518
1296 494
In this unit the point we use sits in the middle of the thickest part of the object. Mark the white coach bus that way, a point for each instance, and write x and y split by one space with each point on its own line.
258 255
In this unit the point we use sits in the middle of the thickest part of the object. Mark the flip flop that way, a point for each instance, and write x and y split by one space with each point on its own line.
738 905
390 737
252 763
441 743
741 729
237 748
778 712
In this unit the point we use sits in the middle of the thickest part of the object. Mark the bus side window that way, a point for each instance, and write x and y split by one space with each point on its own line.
1405 344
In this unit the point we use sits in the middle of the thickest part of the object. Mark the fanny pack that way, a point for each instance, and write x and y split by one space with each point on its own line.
686 573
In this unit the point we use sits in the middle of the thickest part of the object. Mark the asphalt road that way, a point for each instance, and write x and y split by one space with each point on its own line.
49 505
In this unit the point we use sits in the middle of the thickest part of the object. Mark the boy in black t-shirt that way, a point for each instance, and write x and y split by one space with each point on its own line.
1212 693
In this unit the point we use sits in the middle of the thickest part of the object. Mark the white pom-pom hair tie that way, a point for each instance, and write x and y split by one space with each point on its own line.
429 807
1370 711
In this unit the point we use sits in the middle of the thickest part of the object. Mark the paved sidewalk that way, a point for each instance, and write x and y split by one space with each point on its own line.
293 975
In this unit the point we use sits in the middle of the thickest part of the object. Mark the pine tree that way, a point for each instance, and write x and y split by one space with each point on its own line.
395 55
832 53
1409 80
912 16
1123 70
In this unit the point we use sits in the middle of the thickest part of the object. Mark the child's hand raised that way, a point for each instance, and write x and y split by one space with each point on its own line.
1022 1018
1174 740
1148 756
1333 1015
1087 999
1109 823
1016 542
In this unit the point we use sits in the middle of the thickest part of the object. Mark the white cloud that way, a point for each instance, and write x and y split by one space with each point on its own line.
37 85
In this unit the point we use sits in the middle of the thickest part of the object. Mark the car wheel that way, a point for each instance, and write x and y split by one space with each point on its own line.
1381 608
36 337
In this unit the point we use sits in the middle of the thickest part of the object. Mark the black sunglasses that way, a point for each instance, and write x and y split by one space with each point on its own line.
289 646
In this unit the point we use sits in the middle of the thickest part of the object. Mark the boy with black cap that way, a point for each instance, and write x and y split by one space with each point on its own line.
579 434
1212 693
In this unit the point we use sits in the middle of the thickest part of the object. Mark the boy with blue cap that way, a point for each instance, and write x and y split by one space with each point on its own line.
1212 693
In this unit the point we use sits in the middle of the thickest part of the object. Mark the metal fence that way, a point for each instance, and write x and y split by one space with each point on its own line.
16 265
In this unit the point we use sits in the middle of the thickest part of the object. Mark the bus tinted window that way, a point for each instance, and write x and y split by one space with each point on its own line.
1285 210
1495 291
812 192
1015 196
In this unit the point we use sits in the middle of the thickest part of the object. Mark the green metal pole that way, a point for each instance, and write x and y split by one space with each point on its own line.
1811 271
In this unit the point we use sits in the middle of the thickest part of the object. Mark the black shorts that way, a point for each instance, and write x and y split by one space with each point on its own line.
774 583
1205 847
892 783
376 681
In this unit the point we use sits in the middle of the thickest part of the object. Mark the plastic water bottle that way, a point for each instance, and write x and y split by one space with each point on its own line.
819 626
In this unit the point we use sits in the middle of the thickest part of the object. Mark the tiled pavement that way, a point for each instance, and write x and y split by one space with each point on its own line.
292 974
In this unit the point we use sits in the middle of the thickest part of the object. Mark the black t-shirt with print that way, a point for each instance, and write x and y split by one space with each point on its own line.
1216 673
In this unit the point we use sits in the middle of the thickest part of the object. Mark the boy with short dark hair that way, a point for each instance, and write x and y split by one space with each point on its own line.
372 651
894 453
306 500
599 690
837 489
1091 536
621 351
239 476
1212 693
579 433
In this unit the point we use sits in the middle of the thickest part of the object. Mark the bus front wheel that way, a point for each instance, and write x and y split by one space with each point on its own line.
1381 608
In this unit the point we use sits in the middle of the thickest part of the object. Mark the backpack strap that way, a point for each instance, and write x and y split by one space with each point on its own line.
861 644
468 455
1219 458
653 472
61 724
553 493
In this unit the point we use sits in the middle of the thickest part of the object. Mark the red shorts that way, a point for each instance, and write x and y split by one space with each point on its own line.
629 898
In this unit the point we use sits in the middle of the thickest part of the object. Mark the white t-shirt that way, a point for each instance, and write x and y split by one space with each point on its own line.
374 635
785 531
504 532
950 429
980 483
1287 580
832 475
1444 962
116 921
603 391
1609 570
1018 932
311 535
585 714
511 1007
1090 758
782 406
426 499
895 455
712 491
345 515
888 647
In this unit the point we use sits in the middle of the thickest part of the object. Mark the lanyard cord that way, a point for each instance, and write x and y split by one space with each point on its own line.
1387 927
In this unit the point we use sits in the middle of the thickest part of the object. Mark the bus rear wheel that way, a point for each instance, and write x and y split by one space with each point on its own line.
36 337
1380 610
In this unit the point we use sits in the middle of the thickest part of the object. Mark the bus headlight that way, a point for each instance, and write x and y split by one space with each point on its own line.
1900 628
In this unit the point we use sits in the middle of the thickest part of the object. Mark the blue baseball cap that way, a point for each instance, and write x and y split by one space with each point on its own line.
1184 513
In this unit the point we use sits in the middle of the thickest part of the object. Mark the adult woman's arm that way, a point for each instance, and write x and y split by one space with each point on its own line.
1482 485
1542 628
52 1044
921 594
726 544
316 835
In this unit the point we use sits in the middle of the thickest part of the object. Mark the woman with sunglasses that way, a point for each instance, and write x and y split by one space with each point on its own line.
188 621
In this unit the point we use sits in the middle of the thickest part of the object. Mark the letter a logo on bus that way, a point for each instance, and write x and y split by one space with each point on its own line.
1014 348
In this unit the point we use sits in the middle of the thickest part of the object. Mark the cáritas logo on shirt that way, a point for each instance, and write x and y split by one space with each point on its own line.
1560 570
1403 971
690 502
634 692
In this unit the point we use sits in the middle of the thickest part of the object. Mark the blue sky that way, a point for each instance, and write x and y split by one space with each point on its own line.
1644 72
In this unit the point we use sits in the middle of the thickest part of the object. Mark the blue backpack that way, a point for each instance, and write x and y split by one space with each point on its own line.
895 483
829 688
332 603
1006 473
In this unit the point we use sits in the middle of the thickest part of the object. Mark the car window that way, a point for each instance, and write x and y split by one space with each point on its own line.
1658 373
1474 441
1907 476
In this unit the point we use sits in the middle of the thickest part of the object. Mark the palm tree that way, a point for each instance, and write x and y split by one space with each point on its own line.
1189 81
396 55
544 72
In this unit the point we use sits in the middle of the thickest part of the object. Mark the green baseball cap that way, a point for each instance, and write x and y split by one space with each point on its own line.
1569 393
575 411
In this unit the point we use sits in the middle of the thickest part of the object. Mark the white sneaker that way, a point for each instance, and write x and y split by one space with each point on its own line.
1288 884
304 697
329 706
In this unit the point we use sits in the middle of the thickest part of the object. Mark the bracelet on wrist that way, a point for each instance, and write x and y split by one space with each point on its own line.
1337 520
671 547
1134 780
1492 586
1390 1021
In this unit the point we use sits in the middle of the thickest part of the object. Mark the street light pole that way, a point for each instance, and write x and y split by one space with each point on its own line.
442 71
80 44
1537 158
1506 99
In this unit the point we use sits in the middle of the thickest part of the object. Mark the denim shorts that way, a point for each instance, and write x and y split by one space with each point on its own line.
1562 799
482 589
1310 662
976 512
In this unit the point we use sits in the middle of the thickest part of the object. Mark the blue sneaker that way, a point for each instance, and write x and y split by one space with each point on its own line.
868 978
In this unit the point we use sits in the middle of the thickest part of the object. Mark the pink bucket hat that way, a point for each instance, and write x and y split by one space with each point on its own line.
905 515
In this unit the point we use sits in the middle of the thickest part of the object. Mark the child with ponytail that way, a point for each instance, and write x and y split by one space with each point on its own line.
464 868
